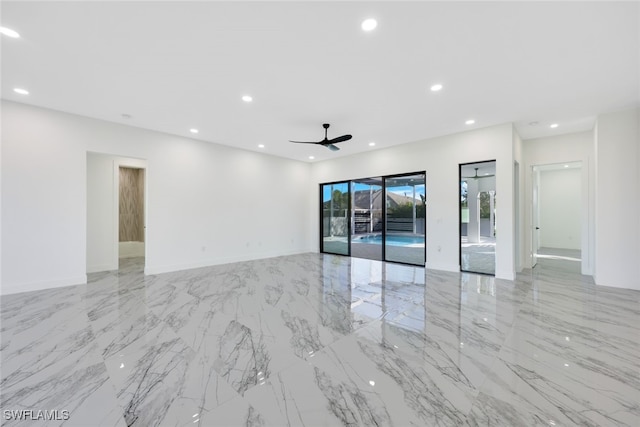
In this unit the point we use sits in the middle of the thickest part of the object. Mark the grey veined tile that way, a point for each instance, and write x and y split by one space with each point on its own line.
315 339
75 382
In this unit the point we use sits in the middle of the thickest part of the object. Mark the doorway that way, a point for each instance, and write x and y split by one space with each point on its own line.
556 215
478 200
104 212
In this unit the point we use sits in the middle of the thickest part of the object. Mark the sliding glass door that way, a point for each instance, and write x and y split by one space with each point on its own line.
366 229
477 217
336 224
405 213
379 218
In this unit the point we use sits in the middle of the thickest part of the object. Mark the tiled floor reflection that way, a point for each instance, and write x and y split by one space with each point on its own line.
479 257
325 340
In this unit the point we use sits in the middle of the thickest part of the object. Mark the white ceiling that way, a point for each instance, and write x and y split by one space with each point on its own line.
173 66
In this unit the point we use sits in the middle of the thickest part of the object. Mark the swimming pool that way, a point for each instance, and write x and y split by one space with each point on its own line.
392 240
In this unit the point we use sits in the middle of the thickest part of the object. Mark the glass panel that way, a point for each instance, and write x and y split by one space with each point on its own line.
366 225
335 218
405 222
477 217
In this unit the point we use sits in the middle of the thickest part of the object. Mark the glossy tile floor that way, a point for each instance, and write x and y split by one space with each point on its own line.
325 340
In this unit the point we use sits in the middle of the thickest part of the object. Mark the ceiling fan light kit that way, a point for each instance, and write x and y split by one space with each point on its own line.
326 142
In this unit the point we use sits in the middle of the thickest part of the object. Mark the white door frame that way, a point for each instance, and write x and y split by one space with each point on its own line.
587 232
535 215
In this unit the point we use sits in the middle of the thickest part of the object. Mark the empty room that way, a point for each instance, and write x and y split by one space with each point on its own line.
311 213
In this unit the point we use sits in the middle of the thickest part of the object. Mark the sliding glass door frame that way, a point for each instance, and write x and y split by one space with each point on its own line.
460 166
322 249
369 182
350 184
384 218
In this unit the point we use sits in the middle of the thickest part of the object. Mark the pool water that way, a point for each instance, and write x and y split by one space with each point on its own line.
391 240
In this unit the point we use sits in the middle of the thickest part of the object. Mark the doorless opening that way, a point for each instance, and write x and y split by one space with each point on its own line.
105 224
478 199
557 211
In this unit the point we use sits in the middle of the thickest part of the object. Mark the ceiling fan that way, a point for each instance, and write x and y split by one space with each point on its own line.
329 143
476 175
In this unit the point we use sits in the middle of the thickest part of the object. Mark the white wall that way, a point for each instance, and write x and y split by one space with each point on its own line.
439 157
575 147
519 201
43 200
100 218
0 199
560 203
211 204
207 203
618 199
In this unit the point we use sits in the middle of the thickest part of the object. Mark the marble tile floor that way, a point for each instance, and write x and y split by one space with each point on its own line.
323 340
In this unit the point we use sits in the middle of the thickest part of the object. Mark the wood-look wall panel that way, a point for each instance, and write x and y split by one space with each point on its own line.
131 205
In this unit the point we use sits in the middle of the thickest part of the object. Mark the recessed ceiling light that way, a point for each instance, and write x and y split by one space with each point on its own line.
260 145
369 24
553 126
436 87
21 91
469 122
371 144
125 116
9 32
247 98
311 157
194 130
566 166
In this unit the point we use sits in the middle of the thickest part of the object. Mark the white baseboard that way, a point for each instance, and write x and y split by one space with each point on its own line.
99 268
454 268
17 288
159 269
505 274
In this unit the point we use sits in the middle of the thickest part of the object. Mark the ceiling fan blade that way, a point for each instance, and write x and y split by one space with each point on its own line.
329 143
478 176
305 142
339 139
